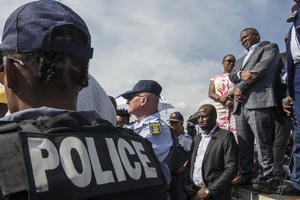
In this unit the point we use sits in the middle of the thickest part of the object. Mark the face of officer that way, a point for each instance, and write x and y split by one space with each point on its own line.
207 117
134 102
177 126
142 104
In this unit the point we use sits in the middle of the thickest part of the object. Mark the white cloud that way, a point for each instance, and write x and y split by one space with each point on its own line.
178 43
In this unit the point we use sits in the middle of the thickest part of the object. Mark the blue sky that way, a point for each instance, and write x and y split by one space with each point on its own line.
179 43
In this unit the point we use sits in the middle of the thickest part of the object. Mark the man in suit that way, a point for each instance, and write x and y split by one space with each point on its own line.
254 106
214 160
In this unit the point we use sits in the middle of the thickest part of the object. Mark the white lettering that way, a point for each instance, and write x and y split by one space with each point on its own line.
45 156
80 180
102 177
115 160
134 172
40 164
149 171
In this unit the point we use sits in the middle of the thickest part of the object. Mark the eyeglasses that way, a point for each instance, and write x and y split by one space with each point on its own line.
173 122
230 61
133 96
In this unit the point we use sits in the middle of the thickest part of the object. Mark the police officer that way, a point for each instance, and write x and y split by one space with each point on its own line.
46 48
179 171
143 102
176 123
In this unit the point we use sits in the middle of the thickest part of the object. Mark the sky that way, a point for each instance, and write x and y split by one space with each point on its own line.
178 43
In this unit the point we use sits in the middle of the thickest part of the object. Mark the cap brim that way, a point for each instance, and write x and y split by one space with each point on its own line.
127 94
291 18
174 120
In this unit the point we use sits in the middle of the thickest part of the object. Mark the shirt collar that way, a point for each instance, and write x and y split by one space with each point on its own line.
146 120
210 133
252 48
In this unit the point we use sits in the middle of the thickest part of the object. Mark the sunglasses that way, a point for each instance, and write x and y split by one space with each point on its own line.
133 96
230 61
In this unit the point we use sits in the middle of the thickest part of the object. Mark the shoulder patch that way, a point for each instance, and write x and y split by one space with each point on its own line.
155 128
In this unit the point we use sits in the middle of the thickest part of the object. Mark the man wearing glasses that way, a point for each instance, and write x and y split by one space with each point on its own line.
143 102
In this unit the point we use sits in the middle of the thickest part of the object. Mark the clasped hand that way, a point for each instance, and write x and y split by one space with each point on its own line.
249 76
238 95
202 194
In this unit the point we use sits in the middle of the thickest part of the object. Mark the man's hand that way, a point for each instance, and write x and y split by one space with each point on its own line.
287 106
223 99
189 190
229 103
181 169
238 95
203 194
249 76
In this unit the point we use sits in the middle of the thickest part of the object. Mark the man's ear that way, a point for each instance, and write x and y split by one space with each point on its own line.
10 72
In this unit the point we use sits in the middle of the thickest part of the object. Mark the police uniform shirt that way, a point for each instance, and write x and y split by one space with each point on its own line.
157 132
185 140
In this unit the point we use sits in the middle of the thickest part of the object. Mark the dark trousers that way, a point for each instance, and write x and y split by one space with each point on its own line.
256 124
282 134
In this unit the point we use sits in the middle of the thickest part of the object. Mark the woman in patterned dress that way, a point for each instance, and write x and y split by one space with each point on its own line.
221 90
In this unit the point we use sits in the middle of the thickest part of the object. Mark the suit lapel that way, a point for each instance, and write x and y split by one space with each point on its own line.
211 143
197 140
242 66
253 53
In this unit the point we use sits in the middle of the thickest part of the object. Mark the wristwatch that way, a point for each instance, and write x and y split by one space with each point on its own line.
229 97
206 191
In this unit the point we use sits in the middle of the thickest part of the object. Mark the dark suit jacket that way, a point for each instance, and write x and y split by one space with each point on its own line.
260 94
220 163
290 61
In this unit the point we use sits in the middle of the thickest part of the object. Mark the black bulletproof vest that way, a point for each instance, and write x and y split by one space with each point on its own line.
66 157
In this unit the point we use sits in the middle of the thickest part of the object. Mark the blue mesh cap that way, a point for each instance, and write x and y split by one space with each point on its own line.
29 28
176 116
144 86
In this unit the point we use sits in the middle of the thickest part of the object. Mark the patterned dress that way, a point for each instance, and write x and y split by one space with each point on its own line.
223 86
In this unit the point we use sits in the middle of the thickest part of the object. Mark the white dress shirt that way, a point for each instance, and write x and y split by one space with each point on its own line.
197 173
295 47
247 57
252 48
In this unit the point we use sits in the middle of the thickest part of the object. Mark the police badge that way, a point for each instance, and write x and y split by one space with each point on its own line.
155 128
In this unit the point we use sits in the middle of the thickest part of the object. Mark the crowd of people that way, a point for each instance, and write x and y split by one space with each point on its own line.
63 137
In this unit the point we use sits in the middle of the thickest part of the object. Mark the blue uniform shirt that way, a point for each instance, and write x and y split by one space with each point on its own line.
185 140
157 132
